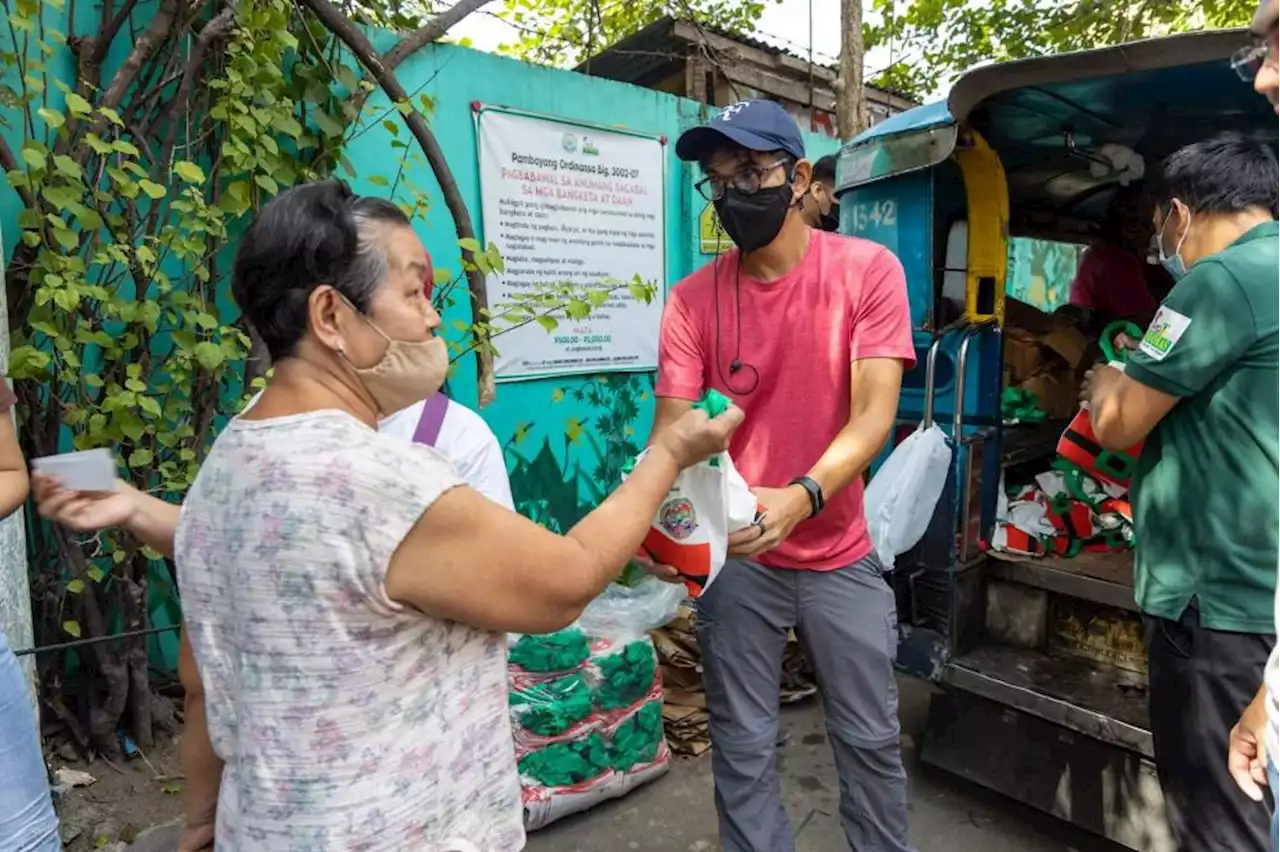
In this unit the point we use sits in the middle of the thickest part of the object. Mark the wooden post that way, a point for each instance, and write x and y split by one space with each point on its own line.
851 105
695 78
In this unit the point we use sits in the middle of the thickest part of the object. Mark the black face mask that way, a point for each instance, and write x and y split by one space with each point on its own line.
753 220
831 219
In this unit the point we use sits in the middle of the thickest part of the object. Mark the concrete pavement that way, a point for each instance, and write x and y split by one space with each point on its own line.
677 813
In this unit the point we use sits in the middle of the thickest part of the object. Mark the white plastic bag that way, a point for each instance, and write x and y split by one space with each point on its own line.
632 611
690 531
903 494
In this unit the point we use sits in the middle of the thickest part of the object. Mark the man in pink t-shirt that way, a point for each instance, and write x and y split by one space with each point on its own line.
809 332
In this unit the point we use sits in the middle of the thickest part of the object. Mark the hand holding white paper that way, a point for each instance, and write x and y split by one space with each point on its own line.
86 470
903 494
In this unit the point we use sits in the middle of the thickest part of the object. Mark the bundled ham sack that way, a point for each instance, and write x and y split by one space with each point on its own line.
1080 445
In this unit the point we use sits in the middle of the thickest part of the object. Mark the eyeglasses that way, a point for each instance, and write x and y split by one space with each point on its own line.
1248 61
746 180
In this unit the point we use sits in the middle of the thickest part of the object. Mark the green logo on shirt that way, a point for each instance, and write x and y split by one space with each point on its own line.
1164 333
1158 337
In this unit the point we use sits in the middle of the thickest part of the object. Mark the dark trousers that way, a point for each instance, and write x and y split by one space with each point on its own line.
1201 681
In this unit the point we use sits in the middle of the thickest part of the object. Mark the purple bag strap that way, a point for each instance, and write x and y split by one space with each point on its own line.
431 420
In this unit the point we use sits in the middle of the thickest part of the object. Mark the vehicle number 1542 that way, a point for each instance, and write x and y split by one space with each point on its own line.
870 215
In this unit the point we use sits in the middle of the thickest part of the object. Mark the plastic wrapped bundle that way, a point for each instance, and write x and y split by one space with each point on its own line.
549 708
622 673
636 739
567 764
552 653
624 750
590 735
630 609
545 805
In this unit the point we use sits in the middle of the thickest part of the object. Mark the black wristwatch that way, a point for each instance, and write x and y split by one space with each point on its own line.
814 490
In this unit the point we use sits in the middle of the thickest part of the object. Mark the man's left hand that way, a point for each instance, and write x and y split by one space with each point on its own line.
780 510
1246 749
663 572
1123 342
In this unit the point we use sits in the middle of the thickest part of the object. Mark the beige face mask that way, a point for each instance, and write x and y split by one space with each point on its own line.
407 373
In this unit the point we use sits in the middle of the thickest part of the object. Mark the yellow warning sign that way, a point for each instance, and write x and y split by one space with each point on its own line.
711 236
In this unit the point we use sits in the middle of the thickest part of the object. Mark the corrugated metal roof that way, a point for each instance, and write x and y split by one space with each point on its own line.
657 52
644 58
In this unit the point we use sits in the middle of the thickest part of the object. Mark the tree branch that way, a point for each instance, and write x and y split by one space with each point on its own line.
110 29
337 23
158 30
433 30
89 68
10 164
217 28
155 34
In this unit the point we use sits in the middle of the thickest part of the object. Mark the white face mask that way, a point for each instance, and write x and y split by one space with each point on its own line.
1173 263
406 374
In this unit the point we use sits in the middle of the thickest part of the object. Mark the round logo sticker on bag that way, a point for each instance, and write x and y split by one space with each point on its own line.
678 518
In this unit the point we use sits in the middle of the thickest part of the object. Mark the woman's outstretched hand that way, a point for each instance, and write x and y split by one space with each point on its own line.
695 437
83 511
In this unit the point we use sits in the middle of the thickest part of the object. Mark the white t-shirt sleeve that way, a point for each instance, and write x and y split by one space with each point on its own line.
474 450
467 442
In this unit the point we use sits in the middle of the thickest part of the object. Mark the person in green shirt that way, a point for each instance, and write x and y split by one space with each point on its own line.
1202 390
1255 740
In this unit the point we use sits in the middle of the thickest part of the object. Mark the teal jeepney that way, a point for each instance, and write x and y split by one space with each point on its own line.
1015 152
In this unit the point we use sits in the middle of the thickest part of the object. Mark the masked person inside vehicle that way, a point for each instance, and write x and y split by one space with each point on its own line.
1201 389
819 207
810 333
1114 281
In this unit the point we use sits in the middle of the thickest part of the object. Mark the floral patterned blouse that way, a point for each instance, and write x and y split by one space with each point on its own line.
346 721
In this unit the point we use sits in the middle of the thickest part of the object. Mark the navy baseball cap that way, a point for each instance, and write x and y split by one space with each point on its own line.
757 125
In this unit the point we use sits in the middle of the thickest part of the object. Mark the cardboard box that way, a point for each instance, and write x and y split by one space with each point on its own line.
1020 315
1057 392
1068 342
1035 341
1023 356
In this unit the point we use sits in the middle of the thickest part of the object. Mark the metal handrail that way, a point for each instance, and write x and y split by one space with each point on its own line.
962 370
930 373
962 363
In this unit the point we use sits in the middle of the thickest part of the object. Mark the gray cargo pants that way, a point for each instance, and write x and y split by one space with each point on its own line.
846 621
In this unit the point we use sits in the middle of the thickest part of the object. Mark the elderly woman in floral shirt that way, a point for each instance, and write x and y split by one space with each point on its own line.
346 595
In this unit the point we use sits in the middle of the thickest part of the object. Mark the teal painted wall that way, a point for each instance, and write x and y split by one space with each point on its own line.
564 439
15 604
60 67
